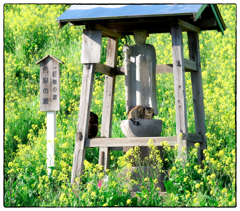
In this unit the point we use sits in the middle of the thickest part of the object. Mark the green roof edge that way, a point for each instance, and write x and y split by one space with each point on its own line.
200 11
216 15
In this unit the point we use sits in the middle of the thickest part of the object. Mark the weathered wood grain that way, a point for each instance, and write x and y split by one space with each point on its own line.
108 32
108 96
196 138
83 120
129 142
179 86
109 87
188 27
189 66
197 90
91 46
49 84
104 69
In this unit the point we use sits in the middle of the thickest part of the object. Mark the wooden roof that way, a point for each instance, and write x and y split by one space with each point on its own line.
154 18
45 57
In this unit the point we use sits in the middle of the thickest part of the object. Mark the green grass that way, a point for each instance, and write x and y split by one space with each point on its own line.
30 33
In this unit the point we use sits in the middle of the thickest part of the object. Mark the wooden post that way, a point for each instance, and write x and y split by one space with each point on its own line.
51 134
91 51
197 90
108 98
179 87
83 120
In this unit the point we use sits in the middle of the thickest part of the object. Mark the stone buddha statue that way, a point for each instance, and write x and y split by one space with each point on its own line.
140 73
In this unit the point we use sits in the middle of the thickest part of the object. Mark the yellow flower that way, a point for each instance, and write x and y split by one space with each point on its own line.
93 194
65 145
195 201
212 176
101 175
221 153
197 186
197 145
129 201
146 179
105 205
224 190
84 196
174 168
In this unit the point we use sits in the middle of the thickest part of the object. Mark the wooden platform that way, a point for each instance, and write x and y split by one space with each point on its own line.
119 143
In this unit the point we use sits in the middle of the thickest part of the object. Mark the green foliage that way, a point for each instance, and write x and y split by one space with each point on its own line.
30 33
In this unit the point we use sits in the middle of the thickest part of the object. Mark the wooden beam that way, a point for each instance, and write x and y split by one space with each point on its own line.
188 27
164 68
108 32
129 142
104 69
179 87
193 137
189 66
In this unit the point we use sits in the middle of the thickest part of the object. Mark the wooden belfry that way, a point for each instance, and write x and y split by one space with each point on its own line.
114 21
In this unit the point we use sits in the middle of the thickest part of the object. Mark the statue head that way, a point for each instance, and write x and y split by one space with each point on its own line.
140 36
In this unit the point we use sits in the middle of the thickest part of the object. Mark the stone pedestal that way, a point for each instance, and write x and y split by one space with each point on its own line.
145 128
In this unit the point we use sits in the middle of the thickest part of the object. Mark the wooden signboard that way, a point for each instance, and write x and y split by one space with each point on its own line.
49 83
50 100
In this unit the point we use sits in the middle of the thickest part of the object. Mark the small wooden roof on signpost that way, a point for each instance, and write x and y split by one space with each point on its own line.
157 18
54 58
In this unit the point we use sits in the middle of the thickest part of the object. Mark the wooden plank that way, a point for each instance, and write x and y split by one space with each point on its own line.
190 65
165 68
129 142
179 87
193 137
91 46
108 32
108 96
197 90
49 84
119 71
104 69
115 148
187 26
83 121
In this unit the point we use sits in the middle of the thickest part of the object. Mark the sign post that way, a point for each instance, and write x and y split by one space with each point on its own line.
50 100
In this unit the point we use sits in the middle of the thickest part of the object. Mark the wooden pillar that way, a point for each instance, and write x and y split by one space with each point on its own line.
83 120
179 87
91 51
197 90
108 99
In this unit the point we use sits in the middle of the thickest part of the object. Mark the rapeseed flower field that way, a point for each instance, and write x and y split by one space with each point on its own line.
30 33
